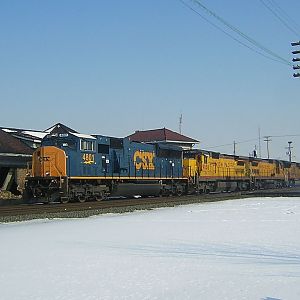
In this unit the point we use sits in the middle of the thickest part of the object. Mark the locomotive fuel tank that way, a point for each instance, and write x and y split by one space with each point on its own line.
137 189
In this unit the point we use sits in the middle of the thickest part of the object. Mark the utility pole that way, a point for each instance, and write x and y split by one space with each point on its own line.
255 151
234 144
296 59
259 142
267 139
289 153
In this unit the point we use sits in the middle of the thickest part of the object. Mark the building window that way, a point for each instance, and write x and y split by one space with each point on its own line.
87 145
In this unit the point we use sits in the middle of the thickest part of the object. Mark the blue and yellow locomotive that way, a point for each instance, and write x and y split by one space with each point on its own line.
77 167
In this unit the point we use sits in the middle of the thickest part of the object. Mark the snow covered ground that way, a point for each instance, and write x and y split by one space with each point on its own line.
238 249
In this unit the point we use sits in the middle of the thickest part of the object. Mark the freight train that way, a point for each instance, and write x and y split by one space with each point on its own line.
77 167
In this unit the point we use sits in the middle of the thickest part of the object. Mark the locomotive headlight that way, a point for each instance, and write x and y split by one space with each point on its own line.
47 173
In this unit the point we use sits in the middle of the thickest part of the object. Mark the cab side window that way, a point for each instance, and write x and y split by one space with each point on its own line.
87 145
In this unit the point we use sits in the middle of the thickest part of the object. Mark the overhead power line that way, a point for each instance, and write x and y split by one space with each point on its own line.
251 40
265 51
233 143
285 16
228 34
285 135
270 5
252 140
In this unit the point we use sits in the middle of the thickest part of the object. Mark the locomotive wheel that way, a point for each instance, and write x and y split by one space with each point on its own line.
81 199
179 192
100 197
64 200
53 197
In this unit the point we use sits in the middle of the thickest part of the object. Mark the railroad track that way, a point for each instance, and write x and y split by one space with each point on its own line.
34 211
105 205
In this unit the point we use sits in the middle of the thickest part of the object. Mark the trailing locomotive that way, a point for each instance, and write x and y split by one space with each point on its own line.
76 167
212 172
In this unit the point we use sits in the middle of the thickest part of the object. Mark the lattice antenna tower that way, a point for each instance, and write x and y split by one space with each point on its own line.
180 123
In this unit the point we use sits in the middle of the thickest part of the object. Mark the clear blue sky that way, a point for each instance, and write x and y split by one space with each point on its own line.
113 67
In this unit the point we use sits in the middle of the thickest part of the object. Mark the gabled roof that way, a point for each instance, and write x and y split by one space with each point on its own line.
13 140
10 144
60 128
26 134
160 135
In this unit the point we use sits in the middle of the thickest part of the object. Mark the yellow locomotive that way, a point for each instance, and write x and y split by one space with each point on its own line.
210 172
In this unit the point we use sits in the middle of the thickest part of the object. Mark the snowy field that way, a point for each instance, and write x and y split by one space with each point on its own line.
238 249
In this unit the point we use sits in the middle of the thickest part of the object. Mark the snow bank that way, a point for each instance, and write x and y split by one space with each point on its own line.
239 249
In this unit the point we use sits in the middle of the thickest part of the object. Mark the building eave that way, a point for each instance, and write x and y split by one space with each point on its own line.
15 155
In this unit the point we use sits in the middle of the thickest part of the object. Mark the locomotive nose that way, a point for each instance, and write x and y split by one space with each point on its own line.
49 161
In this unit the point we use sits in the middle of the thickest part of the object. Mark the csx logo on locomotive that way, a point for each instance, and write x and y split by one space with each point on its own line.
43 158
143 160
